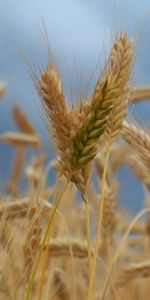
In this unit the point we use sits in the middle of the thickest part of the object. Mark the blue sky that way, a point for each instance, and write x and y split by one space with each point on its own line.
80 34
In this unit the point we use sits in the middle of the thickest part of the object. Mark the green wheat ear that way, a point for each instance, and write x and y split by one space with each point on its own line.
83 145
105 102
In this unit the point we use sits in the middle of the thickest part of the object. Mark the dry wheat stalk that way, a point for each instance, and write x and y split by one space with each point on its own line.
99 164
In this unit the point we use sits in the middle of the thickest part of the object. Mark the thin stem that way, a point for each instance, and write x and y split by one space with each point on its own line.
45 260
100 217
87 207
39 254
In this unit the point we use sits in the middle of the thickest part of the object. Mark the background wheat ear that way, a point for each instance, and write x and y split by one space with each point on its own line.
138 140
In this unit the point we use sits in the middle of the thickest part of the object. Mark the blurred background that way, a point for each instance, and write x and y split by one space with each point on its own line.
80 33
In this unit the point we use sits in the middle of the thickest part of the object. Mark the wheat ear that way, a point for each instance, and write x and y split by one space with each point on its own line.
33 237
18 208
139 169
61 247
20 139
53 100
137 270
107 93
21 121
139 93
138 140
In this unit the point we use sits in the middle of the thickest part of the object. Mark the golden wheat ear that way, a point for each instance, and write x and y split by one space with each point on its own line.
53 100
22 121
138 140
139 93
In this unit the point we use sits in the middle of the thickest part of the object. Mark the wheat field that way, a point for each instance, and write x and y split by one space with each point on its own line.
54 244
